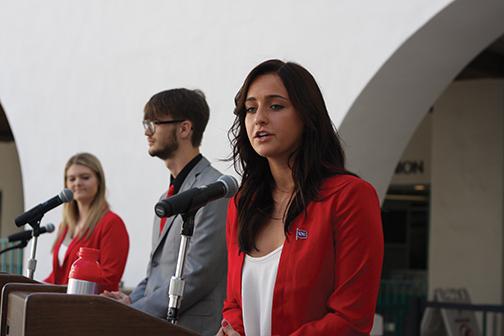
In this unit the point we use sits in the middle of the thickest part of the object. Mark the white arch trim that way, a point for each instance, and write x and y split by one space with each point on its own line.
384 116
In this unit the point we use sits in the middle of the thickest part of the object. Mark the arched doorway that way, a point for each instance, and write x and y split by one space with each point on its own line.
403 90
388 111
11 194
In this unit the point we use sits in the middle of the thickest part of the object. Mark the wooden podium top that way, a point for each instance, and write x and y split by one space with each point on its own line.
38 310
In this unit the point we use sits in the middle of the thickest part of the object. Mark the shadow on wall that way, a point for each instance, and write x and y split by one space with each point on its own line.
11 184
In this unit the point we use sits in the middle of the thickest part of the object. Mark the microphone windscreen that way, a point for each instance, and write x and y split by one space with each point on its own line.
66 195
50 227
231 185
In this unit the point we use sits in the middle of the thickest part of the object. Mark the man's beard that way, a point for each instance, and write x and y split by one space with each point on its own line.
168 151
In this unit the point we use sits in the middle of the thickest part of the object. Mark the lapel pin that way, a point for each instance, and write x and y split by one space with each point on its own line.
301 234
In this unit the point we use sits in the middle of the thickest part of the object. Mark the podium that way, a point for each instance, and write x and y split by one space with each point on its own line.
34 309
5 279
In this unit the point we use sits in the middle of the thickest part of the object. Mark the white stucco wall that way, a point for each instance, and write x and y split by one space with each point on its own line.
74 76
466 231
418 150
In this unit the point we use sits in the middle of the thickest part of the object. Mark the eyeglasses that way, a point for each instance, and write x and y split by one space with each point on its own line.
150 125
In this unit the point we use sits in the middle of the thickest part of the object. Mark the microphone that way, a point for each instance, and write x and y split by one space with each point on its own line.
36 213
27 235
193 199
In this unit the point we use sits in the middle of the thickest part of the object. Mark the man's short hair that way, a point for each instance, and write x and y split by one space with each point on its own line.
181 104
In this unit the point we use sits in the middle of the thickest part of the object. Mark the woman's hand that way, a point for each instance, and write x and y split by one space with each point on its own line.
226 329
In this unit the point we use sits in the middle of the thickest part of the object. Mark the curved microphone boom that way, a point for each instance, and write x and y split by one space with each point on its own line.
27 235
36 213
193 199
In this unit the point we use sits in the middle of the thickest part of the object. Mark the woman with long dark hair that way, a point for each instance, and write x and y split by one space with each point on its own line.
88 222
304 235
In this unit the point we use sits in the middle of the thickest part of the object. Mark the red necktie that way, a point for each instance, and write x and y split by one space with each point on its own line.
162 222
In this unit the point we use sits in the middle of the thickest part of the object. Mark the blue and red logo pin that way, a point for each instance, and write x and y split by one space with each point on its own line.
301 234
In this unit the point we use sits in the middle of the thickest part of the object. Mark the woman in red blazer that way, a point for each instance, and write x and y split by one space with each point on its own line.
298 213
88 222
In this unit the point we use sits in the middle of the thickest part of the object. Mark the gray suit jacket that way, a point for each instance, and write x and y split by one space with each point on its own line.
205 265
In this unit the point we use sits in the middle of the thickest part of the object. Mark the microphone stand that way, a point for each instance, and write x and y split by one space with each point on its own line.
32 263
177 282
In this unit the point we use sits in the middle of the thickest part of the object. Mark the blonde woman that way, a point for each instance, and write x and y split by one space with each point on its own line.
88 222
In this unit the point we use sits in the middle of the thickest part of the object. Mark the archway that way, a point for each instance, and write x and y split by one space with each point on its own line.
384 117
11 194
397 98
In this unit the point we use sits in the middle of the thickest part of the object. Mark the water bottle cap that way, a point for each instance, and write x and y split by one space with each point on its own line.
87 267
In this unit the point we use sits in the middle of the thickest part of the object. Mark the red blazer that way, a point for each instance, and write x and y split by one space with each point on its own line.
110 237
329 270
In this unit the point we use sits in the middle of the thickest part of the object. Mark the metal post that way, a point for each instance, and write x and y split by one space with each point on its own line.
32 263
176 289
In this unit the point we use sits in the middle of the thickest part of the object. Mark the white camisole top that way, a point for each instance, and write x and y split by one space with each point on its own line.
258 283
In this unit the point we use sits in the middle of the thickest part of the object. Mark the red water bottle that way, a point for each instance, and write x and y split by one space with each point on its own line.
85 275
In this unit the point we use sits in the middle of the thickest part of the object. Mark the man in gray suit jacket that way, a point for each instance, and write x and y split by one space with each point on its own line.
174 122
